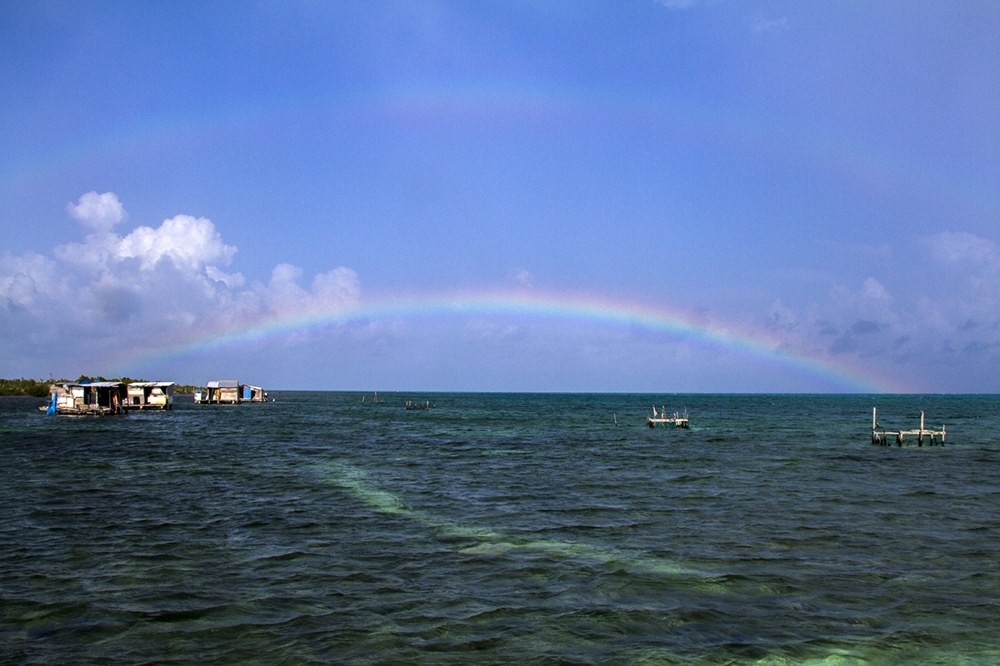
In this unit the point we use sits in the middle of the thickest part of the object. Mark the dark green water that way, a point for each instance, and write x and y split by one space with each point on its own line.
494 529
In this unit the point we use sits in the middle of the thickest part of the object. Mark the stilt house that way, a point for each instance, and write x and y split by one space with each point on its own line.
224 391
229 391
252 394
151 395
88 398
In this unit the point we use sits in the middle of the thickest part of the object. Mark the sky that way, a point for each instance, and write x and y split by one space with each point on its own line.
658 196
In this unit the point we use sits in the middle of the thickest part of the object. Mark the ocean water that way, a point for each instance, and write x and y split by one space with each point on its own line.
501 528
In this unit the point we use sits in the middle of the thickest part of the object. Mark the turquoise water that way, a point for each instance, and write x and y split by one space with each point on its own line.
496 528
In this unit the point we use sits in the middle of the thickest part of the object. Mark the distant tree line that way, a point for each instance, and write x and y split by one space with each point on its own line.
40 387
23 386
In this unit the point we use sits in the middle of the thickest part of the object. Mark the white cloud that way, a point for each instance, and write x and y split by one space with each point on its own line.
110 294
337 287
871 300
283 293
231 280
99 212
943 324
968 269
874 300
960 247
190 243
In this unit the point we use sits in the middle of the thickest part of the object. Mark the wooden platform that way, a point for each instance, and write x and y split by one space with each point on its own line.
881 436
658 418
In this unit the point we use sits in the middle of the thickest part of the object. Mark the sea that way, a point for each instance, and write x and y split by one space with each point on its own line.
518 528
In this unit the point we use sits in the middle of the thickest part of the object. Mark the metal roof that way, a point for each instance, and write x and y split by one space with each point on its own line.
224 383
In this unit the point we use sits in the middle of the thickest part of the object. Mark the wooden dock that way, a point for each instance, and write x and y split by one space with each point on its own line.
658 418
881 435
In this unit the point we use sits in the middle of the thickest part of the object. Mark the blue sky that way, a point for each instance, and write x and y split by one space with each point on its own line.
792 196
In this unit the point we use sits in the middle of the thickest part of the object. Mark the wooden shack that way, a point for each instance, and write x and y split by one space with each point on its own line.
151 395
252 394
88 398
229 392
224 391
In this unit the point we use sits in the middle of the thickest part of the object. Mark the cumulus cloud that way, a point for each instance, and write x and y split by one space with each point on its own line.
940 315
975 258
99 212
283 293
152 286
955 247
851 321
968 266
337 287
189 243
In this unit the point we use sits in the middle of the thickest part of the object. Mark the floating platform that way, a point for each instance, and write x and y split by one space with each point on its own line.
658 418
412 406
881 436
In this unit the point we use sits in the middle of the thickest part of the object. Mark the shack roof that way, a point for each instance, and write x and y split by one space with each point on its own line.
224 383
154 384
97 384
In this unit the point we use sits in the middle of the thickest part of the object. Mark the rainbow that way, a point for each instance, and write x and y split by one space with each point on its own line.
573 307
149 137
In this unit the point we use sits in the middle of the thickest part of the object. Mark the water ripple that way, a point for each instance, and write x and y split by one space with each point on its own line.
492 528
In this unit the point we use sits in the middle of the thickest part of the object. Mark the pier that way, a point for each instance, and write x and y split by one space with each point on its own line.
677 420
881 435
